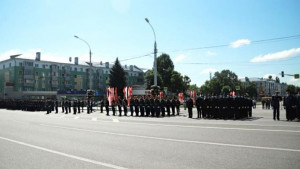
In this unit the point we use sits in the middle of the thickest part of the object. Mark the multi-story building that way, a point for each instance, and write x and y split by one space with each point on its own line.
34 78
266 87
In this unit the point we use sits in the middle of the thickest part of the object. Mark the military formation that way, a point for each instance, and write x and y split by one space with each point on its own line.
209 107
214 107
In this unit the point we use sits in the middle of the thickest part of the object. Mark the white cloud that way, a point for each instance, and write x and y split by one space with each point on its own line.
277 56
240 43
208 70
179 58
210 53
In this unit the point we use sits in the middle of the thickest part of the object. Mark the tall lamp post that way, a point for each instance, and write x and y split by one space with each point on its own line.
90 64
155 52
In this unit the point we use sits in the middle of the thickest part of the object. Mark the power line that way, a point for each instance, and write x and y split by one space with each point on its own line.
226 45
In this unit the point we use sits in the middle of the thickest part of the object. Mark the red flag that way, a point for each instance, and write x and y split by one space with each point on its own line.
116 94
161 93
181 97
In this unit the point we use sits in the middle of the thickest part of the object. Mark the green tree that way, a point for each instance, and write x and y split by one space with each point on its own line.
177 84
251 89
205 89
117 77
165 68
149 77
277 80
225 90
186 81
291 88
221 79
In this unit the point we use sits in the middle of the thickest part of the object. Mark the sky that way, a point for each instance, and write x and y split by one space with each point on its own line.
201 36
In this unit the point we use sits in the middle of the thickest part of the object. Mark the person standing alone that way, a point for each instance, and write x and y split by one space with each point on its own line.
275 104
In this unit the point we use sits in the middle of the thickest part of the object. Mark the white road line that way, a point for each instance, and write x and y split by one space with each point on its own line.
63 154
174 140
94 119
115 120
205 127
76 117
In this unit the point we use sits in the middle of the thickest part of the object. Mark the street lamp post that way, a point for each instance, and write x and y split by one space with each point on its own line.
90 64
155 52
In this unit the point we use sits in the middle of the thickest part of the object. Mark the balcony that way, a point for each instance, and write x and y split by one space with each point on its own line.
28 76
28 84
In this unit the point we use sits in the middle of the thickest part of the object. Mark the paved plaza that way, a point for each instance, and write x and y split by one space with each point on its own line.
65 141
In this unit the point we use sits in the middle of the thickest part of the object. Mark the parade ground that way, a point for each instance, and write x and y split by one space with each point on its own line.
31 140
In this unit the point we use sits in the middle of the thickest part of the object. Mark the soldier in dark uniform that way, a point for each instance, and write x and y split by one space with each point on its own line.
63 106
69 106
152 108
173 105
168 105
177 106
162 107
124 103
142 106
82 105
189 105
119 102
107 107
289 103
198 105
157 106
136 106
298 105
78 106
56 106
147 106
113 103
101 105
74 107
131 105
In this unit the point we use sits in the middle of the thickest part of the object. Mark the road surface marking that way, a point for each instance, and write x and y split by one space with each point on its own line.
174 140
94 119
115 120
205 127
63 154
76 117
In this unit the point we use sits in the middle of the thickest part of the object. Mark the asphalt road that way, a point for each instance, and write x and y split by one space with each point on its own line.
36 140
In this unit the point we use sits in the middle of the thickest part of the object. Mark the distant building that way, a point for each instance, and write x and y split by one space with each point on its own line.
266 87
38 79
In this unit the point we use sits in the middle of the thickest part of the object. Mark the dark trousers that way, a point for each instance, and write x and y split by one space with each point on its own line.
147 111
125 110
163 111
190 110
142 109
199 112
136 108
120 110
107 110
276 113
131 110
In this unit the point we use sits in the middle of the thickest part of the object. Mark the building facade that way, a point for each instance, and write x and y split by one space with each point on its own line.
266 87
34 78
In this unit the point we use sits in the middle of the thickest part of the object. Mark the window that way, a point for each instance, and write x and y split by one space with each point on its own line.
36 73
75 69
3 66
81 69
44 66
36 65
20 72
20 64
9 64
75 76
